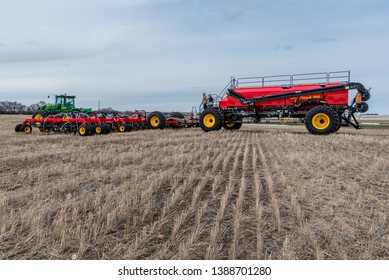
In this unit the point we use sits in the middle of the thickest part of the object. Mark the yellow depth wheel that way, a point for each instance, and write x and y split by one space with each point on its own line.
321 121
209 120
122 128
154 121
82 130
98 129
27 129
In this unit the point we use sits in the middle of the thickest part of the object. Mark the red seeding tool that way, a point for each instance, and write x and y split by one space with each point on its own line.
320 100
179 120
103 123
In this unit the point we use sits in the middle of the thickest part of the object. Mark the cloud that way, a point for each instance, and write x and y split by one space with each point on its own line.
52 53
231 15
325 40
284 47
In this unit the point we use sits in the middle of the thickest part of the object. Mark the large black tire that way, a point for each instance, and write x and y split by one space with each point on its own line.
336 128
156 120
233 125
211 119
40 114
322 120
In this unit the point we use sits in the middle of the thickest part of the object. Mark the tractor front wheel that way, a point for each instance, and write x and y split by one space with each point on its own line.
322 120
156 120
211 119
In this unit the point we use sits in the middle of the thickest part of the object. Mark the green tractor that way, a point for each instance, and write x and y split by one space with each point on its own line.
63 103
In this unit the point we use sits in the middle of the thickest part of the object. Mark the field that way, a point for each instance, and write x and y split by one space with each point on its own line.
258 193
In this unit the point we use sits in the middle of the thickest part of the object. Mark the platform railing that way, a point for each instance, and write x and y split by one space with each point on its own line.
305 78
288 80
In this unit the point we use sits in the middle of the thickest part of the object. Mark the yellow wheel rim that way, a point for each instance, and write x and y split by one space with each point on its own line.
65 118
82 130
38 116
27 129
321 121
98 129
209 120
230 124
154 121
122 128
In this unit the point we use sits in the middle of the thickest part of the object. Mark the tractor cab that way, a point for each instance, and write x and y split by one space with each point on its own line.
64 102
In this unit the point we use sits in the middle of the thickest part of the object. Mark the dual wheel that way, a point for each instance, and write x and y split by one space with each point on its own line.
322 120
26 128
212 119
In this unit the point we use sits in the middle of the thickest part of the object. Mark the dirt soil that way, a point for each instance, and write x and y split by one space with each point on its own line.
261 192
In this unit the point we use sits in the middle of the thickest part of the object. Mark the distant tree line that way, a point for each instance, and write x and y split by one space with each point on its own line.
13 107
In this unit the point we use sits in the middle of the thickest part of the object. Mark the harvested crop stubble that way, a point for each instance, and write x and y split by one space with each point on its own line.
256 193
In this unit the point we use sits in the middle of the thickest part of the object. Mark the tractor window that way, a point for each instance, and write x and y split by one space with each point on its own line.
59 101
70 102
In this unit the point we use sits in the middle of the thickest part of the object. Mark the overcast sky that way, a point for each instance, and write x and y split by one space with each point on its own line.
162 54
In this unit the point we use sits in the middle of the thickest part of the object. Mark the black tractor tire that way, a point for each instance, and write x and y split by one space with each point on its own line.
40 114
17 127
26 128
211 119
232 126
177 115
322 120
156 120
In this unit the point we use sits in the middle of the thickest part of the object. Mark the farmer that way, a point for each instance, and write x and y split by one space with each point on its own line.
210 100
204 101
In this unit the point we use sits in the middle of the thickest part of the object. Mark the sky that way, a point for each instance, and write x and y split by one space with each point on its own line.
162 54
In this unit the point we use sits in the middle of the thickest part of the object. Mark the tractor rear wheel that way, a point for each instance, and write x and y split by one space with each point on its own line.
40 114
322 120
232 125
211 119
156 120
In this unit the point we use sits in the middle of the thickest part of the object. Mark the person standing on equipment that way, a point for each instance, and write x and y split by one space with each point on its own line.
204 101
